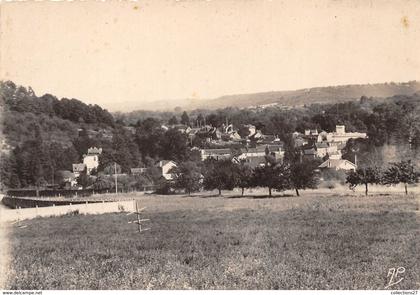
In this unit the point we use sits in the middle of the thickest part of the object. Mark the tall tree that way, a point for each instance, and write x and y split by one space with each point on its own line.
219 174
274 176
187 176
243 176
173 120
185 119
302 175
174 145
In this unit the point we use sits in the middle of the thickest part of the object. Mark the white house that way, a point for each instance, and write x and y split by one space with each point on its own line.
91 159
217 154
340 134
166 166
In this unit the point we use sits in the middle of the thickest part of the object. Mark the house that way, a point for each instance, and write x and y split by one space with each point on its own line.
340 134
78 169
91 159
311 132
299 141
254 161
166 166
325 136
181 128
216 154
252 129
323 149
338 164
257 156
257 136
66 178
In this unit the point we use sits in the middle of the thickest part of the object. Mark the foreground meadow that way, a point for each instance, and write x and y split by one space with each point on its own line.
310 242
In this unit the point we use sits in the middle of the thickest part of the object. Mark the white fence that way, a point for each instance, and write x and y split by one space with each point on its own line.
88 208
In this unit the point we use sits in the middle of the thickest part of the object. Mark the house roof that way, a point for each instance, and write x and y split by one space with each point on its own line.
164 162
94 151
334 163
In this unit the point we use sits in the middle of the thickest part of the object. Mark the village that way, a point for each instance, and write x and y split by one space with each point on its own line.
251 150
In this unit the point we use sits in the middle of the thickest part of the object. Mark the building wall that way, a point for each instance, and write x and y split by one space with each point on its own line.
91 162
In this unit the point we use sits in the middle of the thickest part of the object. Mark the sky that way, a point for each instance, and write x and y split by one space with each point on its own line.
112 53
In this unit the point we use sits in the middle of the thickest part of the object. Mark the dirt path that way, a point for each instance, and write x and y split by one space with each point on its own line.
4 250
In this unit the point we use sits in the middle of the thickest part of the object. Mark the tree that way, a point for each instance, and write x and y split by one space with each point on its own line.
173 120
243 176
8 171
302 175
243 131
272 176
200 120
401 172
219 174
187 176
173 145
364 176
185 119
84 179
103 182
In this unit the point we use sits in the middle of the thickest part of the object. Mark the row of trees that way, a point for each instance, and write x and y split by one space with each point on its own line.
226 175
401 172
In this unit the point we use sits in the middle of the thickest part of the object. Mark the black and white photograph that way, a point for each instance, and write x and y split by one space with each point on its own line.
210 145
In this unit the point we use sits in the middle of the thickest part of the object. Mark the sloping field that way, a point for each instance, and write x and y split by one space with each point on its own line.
310 242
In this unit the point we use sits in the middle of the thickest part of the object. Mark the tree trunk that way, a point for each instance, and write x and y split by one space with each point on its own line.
405 186
220 191
366 190
243 191
297 192
269 191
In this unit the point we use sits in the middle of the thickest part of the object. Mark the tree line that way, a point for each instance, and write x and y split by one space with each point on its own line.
399 172
227 175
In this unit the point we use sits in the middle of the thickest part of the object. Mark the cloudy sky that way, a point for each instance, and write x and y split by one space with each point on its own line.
114 52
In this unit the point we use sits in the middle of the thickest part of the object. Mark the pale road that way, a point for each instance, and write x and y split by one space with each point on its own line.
4 249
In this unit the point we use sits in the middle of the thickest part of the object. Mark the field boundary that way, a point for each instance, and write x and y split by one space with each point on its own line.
87 208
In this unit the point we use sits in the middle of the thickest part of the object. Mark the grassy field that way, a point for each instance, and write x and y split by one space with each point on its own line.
310 242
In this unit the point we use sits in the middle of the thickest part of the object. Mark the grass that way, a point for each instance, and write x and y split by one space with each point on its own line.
332 242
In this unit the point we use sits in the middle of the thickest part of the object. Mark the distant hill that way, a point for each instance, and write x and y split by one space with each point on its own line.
330 94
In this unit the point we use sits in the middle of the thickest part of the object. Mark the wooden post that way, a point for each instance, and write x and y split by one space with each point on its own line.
116 181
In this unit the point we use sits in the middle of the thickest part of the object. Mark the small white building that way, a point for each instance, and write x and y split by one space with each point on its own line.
166 166
217 154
